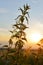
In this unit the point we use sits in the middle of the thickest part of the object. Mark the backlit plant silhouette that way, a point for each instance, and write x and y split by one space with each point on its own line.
18 32
19 27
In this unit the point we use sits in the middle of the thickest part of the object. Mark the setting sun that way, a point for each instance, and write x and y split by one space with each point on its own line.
35 37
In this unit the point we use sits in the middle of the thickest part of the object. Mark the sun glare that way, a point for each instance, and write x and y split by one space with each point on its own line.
35 37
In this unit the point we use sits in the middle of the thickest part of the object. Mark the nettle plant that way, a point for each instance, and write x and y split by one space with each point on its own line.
19 27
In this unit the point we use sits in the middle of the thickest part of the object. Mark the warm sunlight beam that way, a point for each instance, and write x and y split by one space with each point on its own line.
35 37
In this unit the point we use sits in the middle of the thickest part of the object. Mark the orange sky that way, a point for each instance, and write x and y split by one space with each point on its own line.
4 36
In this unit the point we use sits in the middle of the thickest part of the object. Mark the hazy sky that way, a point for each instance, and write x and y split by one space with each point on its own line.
9 11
